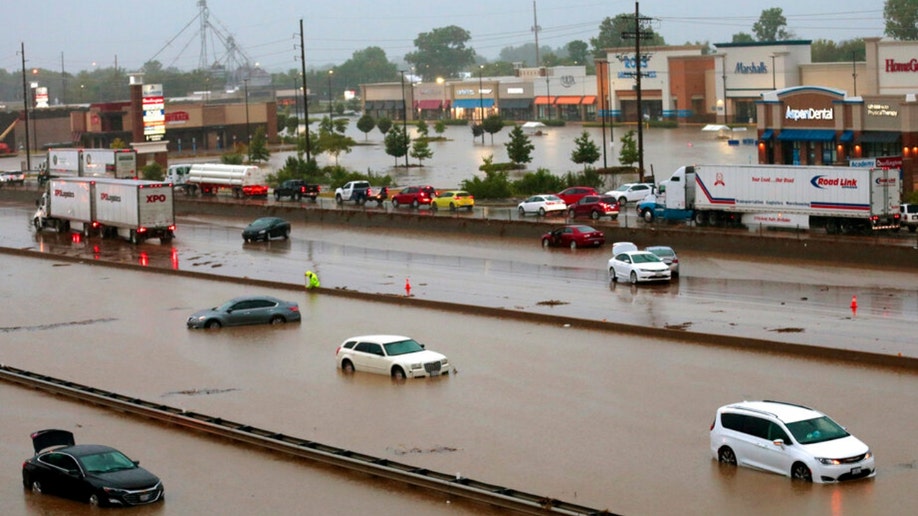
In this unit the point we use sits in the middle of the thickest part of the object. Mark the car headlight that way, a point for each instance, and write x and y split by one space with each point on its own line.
868 455
114 491
416 365
202 317
828 462
263 231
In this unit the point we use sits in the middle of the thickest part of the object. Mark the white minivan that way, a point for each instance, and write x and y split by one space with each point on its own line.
790 440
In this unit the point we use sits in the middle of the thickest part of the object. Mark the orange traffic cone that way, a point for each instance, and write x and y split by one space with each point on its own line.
853 305
407 287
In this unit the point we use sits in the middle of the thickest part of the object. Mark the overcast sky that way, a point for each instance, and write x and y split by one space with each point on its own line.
97 33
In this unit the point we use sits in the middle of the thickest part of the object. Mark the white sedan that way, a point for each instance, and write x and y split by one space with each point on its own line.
542 204
394 355
629 264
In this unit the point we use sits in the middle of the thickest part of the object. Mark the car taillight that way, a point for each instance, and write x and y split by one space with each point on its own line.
712 424
675 260
337 350
294 309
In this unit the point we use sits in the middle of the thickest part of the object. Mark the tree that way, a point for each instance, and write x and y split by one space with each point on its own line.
422 128
629 153
292 124
441 53
610 34
384 125
743 37
586 152
520 147
366 66
901 19
366 123
332 139
578 52
770 26
420 150
826 51
440 127
492 124
397 142
258 150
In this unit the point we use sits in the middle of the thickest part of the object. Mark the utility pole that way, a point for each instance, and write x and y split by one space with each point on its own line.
536 29
305 96
639 34
25 106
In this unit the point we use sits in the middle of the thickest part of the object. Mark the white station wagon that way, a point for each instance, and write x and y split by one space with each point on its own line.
394 355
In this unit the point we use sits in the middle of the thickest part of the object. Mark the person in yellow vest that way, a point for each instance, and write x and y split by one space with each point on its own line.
312 281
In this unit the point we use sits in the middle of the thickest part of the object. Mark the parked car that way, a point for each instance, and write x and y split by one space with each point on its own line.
265 229
541 204
14 177
246 310
668 255
631 192
454 200
394 355
909 216
630 264
296 189
594 206
574 236
99 475
790 440
575 193
414 196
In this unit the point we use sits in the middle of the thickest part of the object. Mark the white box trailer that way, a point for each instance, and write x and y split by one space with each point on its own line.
81 162
62 162
135 209
67 204
210 178
839 199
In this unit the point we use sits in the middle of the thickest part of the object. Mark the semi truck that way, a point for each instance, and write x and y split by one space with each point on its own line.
210 178
837 199
133 209
117 163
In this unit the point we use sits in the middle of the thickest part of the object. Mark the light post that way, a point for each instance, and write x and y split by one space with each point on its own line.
548 92
331 102
248 134
404 117
442 83
602 108
296 106
481 103
773 81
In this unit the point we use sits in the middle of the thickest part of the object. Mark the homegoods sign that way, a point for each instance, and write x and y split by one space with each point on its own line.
809 114
902 66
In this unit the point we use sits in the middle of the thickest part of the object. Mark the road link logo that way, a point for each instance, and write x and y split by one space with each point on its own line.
110 198
156 198
808 114
823 182
62 193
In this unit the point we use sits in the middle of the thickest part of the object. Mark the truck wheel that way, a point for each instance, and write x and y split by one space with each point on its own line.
647 215
134 238
912 229
237 193
277 196
338 199
701 218
37 223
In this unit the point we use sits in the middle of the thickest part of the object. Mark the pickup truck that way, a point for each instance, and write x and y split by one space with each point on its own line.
296 189
14 177
360 192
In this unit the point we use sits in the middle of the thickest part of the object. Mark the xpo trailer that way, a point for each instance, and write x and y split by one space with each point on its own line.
135 209
66 205
210 178
838 199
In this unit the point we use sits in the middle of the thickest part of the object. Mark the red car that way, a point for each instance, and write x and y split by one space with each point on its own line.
414 196
594 206
573 236
575 193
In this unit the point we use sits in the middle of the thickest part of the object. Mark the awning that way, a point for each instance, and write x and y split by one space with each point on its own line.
846 137
390 105
429 104
568 100
515 103
473 103
589 100
806 135
768 134
541 101
880 137
370 105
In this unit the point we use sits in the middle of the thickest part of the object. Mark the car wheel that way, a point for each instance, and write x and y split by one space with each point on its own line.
573 244
522 212
395 203
298 196
36 487
595 215
347 366
286 234
622 201
633 277
570 214
546 242
277 320
212 324
415 204
541 212
338 199
612 275
726 455
94 500
799 471
398 373
452 207
434 207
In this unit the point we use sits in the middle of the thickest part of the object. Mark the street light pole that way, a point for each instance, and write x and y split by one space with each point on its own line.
404 117
481 103
248 134
602 108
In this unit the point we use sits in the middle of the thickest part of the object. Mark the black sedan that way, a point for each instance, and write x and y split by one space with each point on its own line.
266 228
246 310
91 473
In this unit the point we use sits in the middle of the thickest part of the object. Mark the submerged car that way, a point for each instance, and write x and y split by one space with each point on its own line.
542 205
92 473
630 264
790 440
574 236
246 310
453 200
266 228
394 355
668 255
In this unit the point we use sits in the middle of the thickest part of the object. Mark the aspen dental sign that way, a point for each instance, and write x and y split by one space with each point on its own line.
809 114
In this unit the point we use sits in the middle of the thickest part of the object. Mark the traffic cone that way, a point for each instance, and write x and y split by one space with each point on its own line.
853 305
407 287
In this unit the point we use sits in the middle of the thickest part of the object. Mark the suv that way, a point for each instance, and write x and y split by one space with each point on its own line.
909 216
595 206
790 440
631 192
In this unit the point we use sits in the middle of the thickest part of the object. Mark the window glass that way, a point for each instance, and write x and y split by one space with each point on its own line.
756 426
732 421
776 432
